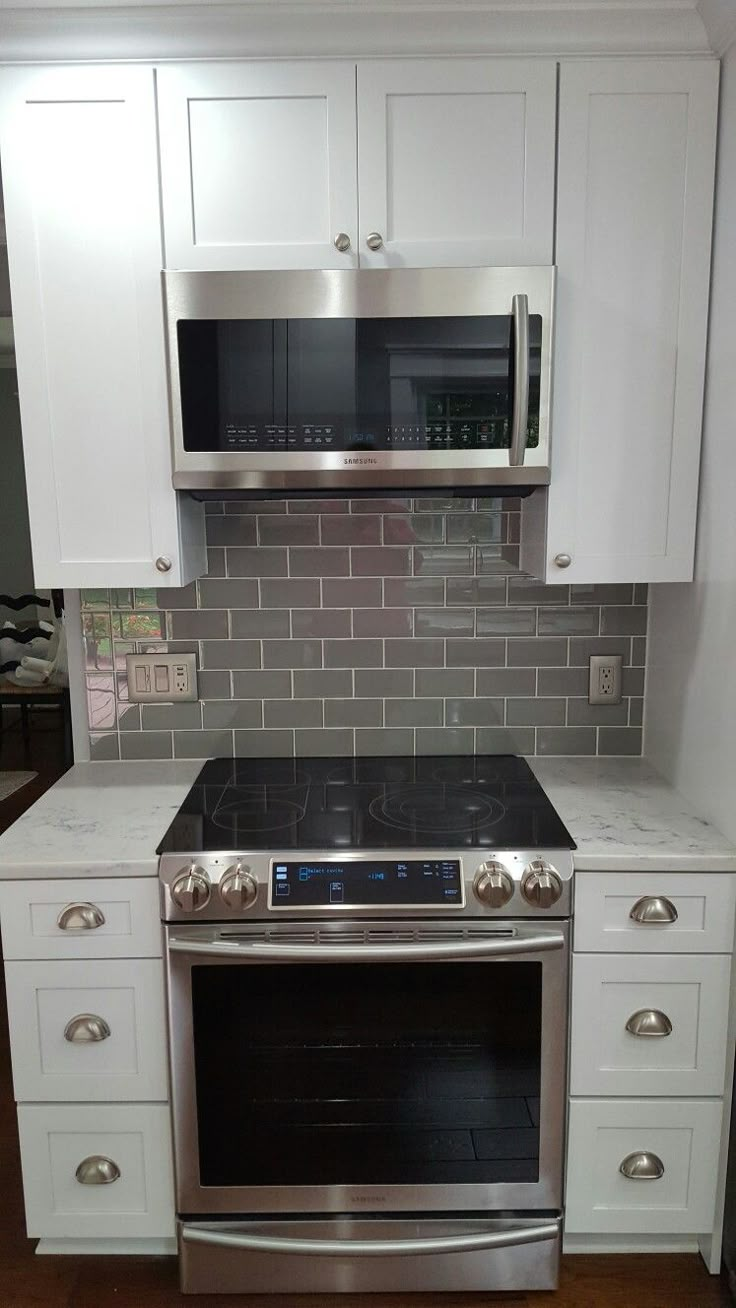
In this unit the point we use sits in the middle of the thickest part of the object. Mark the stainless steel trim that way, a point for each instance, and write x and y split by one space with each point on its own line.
520 413
649 1022
372 1248
357 293
522 942
642 1166
80 917
97 1170
655 910
86 1029
527 1197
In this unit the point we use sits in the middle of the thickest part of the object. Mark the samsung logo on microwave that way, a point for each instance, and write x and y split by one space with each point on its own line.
362 462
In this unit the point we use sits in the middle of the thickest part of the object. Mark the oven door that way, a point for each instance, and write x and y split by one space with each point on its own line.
351 380
415 1067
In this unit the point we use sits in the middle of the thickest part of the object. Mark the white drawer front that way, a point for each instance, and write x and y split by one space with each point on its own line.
684 1134
608 990
703 901
127 995
129 907
56 1138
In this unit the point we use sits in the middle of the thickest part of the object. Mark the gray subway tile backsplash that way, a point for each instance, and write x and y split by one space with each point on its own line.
385 627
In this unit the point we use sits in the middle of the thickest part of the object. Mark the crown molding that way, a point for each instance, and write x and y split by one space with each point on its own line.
719 20
140 29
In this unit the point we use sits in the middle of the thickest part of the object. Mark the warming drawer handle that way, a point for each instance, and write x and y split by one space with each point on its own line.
520 412
283 1244
261 951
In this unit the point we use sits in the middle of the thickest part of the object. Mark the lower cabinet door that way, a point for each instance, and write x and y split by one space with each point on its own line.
642 1166
88 1029
97 1170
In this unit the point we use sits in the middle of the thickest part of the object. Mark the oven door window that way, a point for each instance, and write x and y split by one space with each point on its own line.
315 385
404 1074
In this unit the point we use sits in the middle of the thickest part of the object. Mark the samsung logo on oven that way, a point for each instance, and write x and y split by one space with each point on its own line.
363 462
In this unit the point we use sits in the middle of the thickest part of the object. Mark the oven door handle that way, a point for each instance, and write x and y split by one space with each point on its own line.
283 1244
532 942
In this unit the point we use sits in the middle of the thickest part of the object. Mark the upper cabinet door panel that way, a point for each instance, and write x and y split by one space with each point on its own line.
635 194
82 211
258 165
456 161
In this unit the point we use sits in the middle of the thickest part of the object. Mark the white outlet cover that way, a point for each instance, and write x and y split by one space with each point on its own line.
610 667
161 678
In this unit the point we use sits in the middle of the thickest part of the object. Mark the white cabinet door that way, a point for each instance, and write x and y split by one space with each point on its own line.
685 1137
456 161
687 998
94 1029
258 164
85 917
80 179
635 194
700 908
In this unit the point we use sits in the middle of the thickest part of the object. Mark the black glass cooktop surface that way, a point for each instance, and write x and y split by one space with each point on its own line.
492 801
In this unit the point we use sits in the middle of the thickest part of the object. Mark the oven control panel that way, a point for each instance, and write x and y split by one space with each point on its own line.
366 883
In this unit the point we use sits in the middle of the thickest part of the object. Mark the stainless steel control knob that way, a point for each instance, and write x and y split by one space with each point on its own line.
238 889
191 889
541 885
492 885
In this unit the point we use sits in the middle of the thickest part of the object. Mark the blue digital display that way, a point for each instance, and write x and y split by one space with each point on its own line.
415 882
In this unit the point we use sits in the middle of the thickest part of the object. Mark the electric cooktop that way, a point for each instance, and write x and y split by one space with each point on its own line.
492 802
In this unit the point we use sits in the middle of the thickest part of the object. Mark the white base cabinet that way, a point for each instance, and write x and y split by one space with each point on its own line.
651 1041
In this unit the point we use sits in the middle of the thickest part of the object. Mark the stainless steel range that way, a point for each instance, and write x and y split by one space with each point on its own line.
367 964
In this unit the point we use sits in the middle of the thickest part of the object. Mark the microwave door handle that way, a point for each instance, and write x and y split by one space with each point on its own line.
520 412
532 942
278 1244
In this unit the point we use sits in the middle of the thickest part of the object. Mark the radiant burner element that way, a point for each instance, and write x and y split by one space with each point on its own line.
261 808
434 809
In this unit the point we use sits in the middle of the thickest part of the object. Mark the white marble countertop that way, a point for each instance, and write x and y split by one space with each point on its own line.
625 818
99 820
106 819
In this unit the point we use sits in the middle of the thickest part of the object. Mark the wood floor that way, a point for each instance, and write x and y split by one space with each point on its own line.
27 1281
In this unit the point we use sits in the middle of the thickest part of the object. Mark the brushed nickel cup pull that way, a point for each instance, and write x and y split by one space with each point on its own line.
649 1022
374 240
97 1170
80 917
163 563
642 1166
342 242
654 909
86 1029
563 560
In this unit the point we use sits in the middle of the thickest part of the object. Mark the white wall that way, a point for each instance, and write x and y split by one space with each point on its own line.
690 714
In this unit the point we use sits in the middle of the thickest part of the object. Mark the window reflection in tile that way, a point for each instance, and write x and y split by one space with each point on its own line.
95 599
121 598
100 701
97 641
146 598
139 626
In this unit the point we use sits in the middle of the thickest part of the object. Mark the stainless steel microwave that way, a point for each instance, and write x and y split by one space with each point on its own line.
358 381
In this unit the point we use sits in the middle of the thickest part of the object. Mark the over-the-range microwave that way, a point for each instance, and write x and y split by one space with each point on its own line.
360 381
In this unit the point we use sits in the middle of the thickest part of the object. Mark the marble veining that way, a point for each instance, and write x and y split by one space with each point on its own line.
106 819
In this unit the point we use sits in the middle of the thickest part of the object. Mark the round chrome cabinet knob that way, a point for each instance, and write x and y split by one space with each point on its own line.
374 240
541 885
191 889
563 560
238 889
163 563
492 885
342 242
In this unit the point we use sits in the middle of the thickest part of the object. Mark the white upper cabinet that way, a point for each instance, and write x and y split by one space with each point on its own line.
258 165
635 195
456 162
80 174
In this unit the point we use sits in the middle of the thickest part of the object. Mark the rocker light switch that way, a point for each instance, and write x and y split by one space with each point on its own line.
161 678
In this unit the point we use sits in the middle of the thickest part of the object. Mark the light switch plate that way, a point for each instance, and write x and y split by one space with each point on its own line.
161 678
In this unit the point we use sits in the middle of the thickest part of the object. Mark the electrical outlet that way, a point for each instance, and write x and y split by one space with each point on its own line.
606 675
161 678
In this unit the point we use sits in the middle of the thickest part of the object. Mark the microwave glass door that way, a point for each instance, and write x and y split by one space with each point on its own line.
330 385
400 1074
